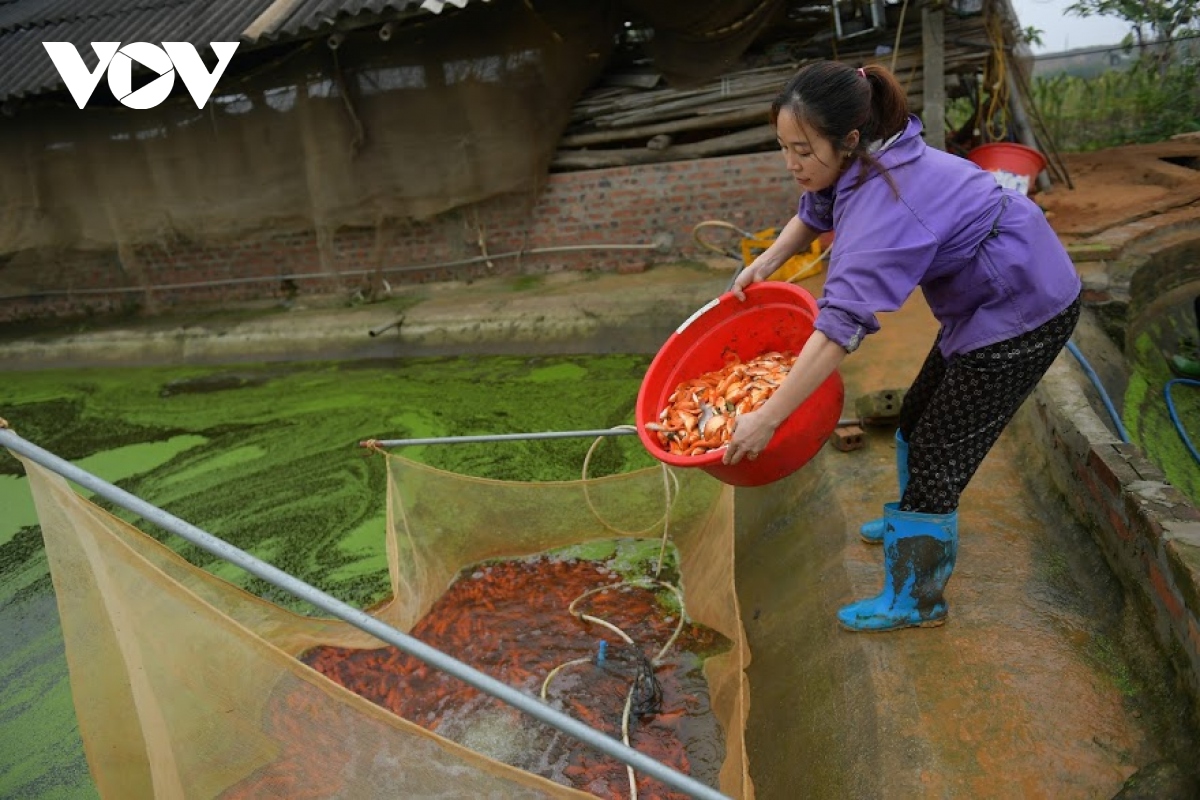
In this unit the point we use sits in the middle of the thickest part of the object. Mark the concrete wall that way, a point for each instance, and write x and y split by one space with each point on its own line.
591 209
1138 258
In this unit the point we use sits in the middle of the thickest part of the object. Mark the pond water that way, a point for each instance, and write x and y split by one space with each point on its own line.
266 457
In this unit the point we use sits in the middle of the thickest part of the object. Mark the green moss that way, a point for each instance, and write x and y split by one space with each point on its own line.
220 463
639 557
1089 251
42 755
363 543
1148 419
1104 654
18 507
1055 570
630 558
523 283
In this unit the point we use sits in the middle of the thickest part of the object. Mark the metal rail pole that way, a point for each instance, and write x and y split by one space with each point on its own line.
518 437
498 437
361 620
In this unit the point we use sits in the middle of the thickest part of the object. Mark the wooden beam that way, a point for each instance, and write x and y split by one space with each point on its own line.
757 113
718 145
933 48
269 18
1022 128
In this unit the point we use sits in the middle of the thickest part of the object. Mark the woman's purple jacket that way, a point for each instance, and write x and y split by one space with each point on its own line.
987 260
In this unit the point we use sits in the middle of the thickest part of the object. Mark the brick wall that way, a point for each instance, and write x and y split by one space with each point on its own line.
628 205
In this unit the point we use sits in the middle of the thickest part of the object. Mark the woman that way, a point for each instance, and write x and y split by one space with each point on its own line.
993 273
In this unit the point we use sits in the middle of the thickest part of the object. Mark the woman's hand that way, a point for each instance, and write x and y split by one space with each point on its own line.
795 237
751 433
757 271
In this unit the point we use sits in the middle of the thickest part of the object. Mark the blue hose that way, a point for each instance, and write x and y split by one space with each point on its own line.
1175 417
1095 379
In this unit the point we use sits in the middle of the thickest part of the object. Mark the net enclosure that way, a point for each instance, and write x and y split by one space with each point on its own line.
187 686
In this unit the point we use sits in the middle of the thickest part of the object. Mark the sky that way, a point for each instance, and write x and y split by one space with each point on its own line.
1062 31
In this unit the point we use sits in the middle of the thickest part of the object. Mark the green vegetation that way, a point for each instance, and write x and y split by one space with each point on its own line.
1146 90
1146 103
1157 97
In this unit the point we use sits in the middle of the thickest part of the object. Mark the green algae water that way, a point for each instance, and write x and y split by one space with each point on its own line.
266 457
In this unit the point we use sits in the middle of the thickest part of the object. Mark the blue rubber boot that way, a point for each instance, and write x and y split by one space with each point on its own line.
872 532
918 557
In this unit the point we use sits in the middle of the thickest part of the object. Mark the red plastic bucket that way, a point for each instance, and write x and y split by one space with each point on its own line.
774 316
1014 166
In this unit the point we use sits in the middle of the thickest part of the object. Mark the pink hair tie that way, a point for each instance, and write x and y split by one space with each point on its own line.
862 72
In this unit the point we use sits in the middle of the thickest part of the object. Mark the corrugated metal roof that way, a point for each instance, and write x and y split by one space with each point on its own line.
298 16
40 13
26 68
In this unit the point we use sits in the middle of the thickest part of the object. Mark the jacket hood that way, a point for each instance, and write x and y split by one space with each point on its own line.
905 147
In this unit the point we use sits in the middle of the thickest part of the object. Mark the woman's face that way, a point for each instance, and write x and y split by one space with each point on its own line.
811 159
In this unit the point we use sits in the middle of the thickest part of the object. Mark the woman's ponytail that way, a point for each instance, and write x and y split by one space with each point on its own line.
889 103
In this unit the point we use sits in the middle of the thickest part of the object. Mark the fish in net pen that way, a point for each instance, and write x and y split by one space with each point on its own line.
551 627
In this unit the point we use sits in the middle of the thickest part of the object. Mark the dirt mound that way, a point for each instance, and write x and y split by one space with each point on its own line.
1122 184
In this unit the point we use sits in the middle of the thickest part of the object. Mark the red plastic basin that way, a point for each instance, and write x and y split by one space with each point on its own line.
1014 166
774 316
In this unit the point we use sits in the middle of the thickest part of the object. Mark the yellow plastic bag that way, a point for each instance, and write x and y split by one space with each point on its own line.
752 245
796 268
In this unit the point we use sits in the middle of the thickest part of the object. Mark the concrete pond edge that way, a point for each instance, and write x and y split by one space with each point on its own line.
1148 530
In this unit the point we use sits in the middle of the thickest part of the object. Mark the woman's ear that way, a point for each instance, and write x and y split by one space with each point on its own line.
851 141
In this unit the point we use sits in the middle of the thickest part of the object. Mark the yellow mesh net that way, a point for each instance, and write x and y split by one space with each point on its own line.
187 686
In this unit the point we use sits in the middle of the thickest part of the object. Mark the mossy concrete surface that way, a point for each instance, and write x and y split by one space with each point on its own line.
558 313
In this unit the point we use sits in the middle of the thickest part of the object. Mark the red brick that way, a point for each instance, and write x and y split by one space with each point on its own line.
1164 591
1119 525
630 204
1111 467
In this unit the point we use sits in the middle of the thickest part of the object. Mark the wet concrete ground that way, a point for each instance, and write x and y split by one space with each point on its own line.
1042 684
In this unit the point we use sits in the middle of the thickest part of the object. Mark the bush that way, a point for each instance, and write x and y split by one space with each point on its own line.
1145 103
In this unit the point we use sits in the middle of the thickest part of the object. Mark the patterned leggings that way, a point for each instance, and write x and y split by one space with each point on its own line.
957 408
